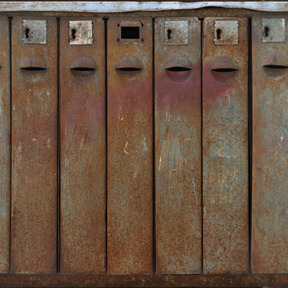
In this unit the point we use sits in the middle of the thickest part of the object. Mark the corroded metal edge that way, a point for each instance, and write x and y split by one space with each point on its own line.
132 6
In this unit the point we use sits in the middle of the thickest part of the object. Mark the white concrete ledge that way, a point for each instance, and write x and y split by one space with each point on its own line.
124 6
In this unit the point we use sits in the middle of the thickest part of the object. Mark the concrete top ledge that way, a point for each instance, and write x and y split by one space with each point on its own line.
132 6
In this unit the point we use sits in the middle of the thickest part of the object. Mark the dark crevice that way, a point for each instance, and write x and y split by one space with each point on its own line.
276 67
106 129
11 150
224 70
34 68
83 69
129 69
201 132
58 153
178 69
250 137
154 151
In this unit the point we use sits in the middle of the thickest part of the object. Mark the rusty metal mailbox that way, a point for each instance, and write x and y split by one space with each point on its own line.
83 145
130 130
225 146
178 145
34 145
270 120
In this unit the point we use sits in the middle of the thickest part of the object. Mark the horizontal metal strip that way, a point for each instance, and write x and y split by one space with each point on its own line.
124 6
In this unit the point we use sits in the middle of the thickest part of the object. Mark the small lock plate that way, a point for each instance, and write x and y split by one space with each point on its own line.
130 32
176 33
226 32
34 32
273 30
81 32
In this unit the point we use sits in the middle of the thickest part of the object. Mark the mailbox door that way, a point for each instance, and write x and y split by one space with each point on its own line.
34 145
270 144
130 167
225 146
178 145
83 145
4 144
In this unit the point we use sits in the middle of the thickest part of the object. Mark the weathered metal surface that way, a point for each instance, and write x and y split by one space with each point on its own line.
81 32
4 145
130 168
34 31
133 6
34 154
83 152
225 152
178 146
92 280
270 168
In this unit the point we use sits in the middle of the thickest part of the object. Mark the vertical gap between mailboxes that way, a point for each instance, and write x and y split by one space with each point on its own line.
10 92
106 135
250 135
153 150
201 67
58 153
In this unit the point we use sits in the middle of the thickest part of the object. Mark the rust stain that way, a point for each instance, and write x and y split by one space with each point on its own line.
83 152
225 152
130 187
178 148
34 154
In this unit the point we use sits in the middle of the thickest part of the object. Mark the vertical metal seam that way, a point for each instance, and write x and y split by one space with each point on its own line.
11 150
106 141
250 138
58 244
153 149
201 79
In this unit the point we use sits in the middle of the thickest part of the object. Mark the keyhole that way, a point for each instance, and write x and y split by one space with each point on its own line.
169 31
73 34
266 31
218 32
27 30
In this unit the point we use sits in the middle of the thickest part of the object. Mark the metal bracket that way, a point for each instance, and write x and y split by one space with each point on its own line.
273 30
81 32
226 32
176 33
34 32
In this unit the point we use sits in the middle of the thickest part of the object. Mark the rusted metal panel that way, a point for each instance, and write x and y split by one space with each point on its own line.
4 144
270 144
178 145
225 147
34 150
130 130
83 146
